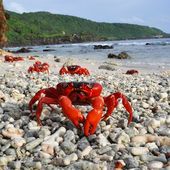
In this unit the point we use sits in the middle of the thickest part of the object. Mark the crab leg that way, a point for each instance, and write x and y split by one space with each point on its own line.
44 100
94 116
71 112
37 96
64 71
46 92
112 101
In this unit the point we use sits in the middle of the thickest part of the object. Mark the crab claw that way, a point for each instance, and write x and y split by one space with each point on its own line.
112 101
92 120
71 112
94 116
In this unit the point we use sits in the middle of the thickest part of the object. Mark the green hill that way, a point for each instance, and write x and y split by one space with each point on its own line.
46 28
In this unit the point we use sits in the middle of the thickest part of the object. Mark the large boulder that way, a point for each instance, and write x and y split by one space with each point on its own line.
23 50
124 55
111 55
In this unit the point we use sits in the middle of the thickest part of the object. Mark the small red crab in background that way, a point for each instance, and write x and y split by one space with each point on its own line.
74 69
132 72
67 94
39 67
9 58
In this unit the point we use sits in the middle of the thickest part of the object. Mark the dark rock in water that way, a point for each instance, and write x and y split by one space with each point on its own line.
123 55
103 47
48 50
110 55
22 50
148 44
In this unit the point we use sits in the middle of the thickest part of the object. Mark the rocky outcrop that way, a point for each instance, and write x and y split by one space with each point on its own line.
122 55
103 47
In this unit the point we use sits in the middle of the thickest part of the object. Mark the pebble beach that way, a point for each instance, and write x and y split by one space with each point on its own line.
58 145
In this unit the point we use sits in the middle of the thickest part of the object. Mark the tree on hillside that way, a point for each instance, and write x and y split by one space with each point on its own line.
3 25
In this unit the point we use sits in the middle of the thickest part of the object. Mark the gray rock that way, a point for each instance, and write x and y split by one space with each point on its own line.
149 158
83 143
107 67
68 147
10 151
131 162
15 165
69 136
31 145
104 150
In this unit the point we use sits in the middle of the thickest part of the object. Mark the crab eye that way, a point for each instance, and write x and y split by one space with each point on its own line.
89 85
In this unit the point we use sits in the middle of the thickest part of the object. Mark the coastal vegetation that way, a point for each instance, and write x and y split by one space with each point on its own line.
38 28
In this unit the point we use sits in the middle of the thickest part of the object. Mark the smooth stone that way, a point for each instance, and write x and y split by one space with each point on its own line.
18 142
155 165
33 125
104 150
105 157
145 105
151 101
83 143
1 110
3 161
6 146
10 151
163 96
154 123
151 146
168 120
15 165
11 132
139 151
69 136
68 147
44 132
70 158
131 162
149 158
44 155
31 145
103 140
86 151
123 138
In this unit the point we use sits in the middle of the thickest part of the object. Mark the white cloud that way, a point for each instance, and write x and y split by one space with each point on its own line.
14 6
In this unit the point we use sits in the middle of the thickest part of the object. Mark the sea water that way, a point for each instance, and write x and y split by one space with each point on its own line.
145 53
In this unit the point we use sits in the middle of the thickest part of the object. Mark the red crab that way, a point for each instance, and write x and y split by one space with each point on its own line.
12 59
132 72
74 69
31 58
80 93
39 67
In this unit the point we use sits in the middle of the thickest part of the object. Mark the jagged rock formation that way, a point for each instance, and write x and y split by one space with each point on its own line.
3 25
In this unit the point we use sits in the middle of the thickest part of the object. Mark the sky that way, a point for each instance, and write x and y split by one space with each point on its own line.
153 13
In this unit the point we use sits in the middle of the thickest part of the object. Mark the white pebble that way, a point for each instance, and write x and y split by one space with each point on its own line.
139 150
155 165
